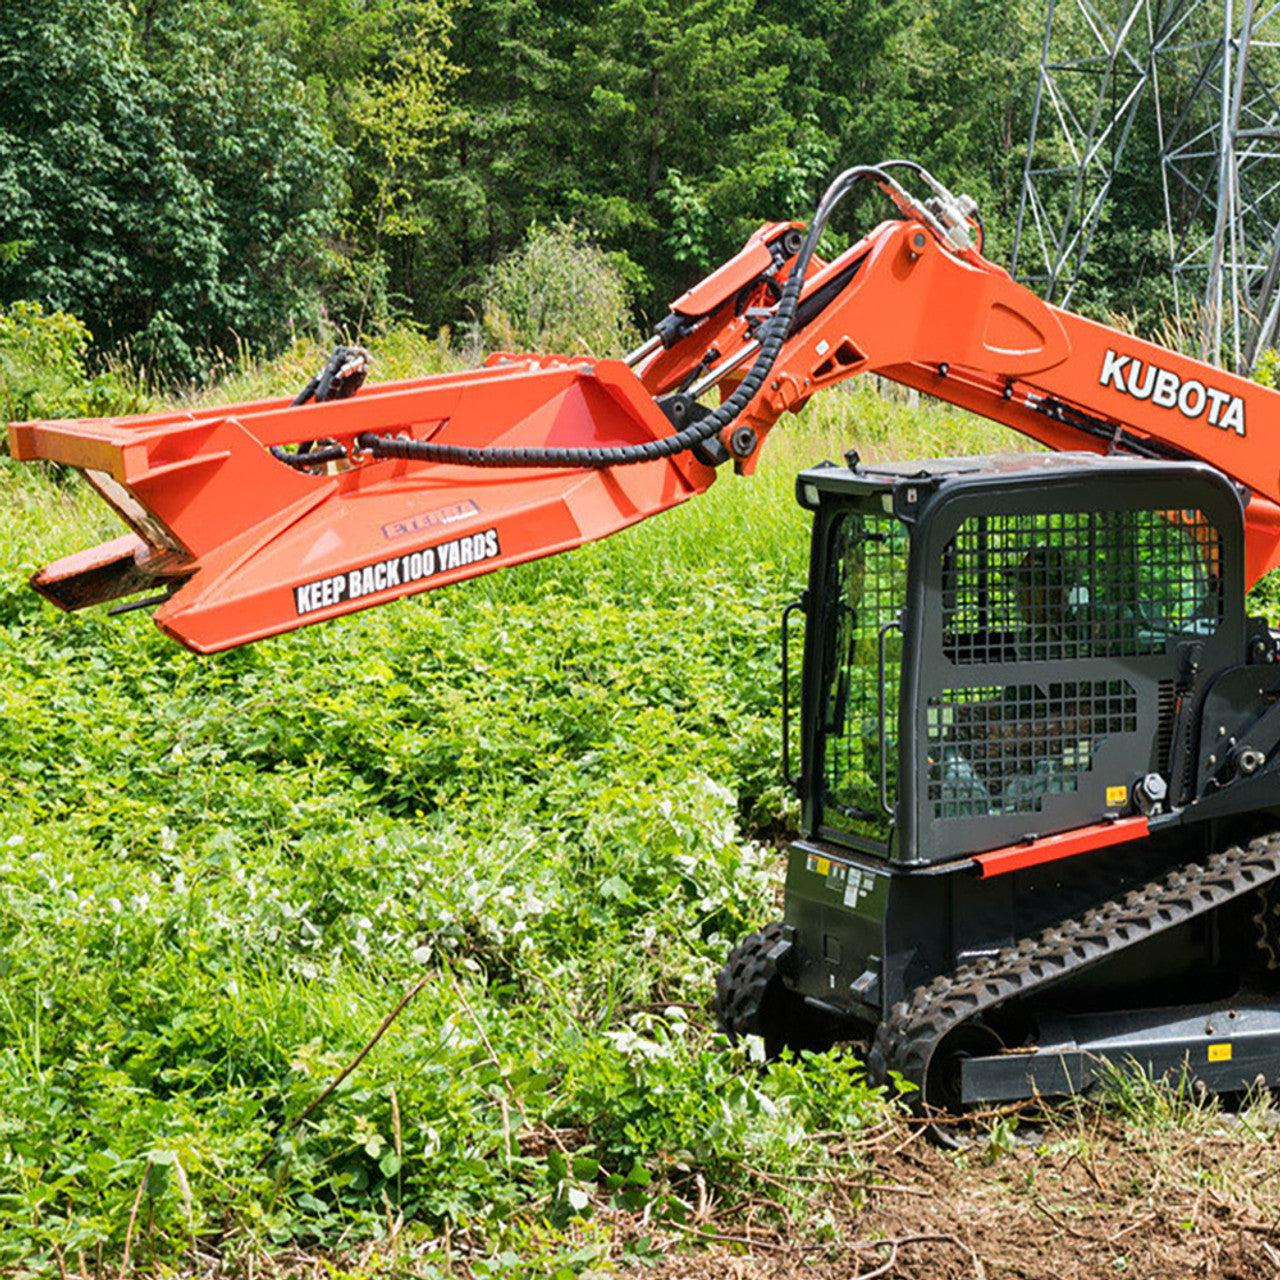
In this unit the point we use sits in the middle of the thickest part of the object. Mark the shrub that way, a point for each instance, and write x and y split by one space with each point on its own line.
43 372
1267 368
559 293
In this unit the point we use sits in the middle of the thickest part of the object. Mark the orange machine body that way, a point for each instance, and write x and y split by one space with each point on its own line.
246 547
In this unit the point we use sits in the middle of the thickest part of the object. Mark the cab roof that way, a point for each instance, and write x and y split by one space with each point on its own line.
857 478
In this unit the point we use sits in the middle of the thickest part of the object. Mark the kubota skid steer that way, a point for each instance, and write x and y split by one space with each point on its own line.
1040 738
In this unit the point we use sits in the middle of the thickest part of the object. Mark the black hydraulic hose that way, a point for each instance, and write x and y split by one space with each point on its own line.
342 376
309 457
920 171
774 334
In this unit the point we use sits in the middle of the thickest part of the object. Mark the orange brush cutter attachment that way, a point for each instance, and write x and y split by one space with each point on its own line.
245 545
401 487
244 539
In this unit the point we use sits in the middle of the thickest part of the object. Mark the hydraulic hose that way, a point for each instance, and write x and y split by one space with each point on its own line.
773 335
342 376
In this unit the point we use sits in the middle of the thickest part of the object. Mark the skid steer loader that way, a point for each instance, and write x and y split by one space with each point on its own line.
1039 733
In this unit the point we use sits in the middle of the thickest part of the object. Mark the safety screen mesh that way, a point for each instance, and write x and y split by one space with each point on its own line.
1059 585
867 587
1002 749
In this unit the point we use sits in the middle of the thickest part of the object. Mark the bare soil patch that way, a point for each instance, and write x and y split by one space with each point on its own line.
1087 1199
1084 1197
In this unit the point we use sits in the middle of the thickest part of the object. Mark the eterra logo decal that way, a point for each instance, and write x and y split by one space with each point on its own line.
1163 387
454 512
398 571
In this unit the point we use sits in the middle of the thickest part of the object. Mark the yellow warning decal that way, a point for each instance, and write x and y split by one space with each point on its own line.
1219 1053
1117 795
821 866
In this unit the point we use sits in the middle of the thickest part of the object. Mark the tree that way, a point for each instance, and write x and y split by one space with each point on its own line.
660 127
186 176
181 204
382 74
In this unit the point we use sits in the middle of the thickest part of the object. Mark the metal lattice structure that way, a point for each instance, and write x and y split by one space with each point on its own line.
1001 749
1196 83
1094 74
1077 584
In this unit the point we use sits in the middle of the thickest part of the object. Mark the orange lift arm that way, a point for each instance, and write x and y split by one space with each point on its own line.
254 519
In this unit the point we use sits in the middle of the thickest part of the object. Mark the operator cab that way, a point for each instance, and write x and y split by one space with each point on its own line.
995 646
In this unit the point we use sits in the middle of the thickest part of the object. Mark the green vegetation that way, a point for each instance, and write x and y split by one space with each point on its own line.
162 179
190 179
44 371
538 806
544 792
557 293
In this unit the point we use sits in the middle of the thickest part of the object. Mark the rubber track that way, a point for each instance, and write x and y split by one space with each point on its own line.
743 984
907 1038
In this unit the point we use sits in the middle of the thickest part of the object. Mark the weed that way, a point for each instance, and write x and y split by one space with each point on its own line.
44 374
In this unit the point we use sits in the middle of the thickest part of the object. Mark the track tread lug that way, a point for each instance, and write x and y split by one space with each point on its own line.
907 1038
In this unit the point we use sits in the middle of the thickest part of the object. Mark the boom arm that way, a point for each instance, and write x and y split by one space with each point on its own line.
437 479
912 308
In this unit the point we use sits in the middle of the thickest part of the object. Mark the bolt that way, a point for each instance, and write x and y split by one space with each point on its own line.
1150 793
743 442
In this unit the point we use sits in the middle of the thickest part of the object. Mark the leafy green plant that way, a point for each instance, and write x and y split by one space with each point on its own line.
166 177
549 793
559 293
44 373
689 229
1267 370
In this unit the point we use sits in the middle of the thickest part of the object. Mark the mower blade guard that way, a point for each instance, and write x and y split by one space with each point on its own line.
250 547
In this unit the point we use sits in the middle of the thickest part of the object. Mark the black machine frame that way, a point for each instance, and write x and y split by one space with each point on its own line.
872 916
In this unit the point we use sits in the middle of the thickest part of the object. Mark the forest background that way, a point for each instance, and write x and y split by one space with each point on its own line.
196 180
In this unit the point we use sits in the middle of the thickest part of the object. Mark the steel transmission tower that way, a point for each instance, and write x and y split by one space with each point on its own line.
1199 82
1094 72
